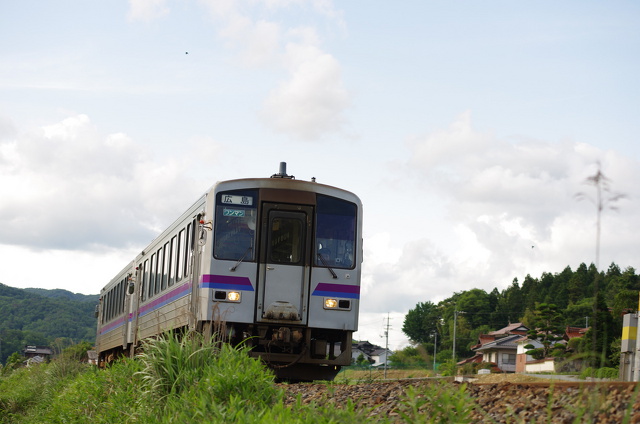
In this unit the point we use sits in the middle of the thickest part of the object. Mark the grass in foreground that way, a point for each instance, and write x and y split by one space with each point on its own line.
189 379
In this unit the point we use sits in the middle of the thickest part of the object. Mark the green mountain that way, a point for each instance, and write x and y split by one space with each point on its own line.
43 317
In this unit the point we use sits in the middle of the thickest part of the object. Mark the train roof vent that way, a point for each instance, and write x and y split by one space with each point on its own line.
283 172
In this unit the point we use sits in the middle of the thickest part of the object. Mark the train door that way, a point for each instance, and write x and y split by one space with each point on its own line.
123 289
285 256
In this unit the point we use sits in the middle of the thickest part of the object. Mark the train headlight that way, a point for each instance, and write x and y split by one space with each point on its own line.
330 303
337 304
226 296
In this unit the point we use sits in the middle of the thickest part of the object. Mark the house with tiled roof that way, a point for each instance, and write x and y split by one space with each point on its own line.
501 352
515 328
37 354
492 336
374 354
380 356
573 332
500 346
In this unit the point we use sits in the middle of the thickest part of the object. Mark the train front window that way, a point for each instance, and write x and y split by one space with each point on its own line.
286 239
335 233
235 226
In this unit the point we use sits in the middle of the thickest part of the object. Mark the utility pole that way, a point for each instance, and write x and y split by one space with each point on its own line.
455 327
386 348
435 344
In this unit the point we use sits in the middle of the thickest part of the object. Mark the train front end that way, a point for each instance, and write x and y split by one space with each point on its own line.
282 270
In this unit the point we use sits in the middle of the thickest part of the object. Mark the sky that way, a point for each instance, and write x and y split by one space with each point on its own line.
467 128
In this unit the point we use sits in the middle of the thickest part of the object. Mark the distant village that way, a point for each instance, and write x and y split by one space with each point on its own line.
504 349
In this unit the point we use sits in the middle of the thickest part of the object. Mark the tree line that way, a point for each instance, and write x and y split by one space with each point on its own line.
585 298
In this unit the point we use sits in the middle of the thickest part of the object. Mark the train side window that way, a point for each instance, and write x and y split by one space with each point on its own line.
107 303
145 279
121 297
114 302
335 232
172 260
110 312
159 257
111 303
123 294
152 276
235 226
166 264
180 255
116 309
105 308
189 247
139 277
116 298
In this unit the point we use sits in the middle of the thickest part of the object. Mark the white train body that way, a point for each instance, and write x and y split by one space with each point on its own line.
275 262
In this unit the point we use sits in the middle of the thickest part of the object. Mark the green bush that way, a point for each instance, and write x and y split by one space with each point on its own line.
437 403
610 373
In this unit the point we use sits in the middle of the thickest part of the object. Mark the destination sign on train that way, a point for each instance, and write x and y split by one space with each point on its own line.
233 212
237 200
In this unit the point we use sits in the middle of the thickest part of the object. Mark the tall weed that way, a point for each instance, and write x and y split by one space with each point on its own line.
172 362
186 376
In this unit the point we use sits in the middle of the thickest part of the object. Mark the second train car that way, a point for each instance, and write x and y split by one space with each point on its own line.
274 262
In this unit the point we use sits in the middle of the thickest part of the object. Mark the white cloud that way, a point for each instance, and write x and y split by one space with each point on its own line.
312 100
7 128
454 147
147 10
256 41
65 186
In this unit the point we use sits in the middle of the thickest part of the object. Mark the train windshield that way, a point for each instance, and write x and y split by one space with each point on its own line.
235 225
335 233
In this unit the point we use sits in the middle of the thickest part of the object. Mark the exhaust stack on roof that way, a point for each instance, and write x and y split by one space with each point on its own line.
283 172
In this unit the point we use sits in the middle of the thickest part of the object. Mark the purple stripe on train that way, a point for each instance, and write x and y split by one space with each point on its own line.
115 324
157 303
226 282
337 290
168 297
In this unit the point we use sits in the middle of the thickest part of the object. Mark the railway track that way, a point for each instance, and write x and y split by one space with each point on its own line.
532 402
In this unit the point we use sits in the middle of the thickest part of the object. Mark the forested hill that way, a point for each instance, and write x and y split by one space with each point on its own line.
40 317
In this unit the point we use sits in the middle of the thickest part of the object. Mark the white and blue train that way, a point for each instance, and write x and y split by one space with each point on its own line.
271 262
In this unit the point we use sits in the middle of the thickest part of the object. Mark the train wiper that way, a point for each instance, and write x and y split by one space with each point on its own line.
233 268
327 265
